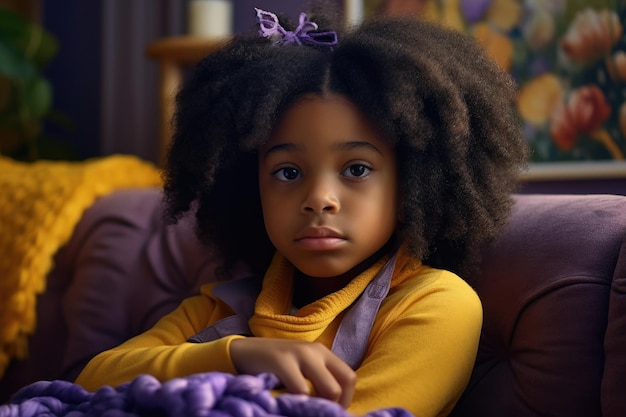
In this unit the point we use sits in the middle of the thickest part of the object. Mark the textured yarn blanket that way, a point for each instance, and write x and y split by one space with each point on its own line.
212 394
40 204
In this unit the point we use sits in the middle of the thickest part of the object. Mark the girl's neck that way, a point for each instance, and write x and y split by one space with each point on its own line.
307 289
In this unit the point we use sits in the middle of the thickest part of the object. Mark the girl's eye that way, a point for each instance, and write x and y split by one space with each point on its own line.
287 174
357 171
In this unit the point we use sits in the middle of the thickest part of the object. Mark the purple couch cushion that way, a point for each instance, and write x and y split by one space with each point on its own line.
549 287
121 271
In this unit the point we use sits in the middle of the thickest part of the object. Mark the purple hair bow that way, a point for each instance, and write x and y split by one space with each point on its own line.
271 29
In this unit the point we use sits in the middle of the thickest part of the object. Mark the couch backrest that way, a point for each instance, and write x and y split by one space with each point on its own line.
553 289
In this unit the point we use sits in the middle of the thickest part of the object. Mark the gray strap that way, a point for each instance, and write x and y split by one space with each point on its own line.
228 326
353 334
240 295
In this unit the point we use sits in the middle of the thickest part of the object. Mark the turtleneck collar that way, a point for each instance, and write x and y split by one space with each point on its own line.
273 306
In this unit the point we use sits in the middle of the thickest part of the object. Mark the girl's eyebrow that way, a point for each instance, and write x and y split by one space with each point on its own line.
283 147
346 146
342 146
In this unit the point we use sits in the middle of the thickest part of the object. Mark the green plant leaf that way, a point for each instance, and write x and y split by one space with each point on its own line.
36 44
25 48
13 64
38 96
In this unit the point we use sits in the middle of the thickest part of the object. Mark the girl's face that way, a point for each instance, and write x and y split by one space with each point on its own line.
329 186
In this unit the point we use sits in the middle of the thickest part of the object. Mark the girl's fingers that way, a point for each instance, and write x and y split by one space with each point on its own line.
293 379
323 381
332 378
346 378
298 365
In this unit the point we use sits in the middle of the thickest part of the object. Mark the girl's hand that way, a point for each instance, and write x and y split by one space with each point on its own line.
294 362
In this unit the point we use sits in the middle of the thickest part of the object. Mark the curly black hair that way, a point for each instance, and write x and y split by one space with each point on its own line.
447 108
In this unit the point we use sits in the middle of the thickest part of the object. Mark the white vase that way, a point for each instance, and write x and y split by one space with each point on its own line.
210 18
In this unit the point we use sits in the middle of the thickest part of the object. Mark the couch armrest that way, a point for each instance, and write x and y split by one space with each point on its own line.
552 288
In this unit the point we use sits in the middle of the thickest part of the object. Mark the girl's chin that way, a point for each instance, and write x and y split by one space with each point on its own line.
342 265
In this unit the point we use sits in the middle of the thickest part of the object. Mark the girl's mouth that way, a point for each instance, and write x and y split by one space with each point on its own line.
320 238
320 243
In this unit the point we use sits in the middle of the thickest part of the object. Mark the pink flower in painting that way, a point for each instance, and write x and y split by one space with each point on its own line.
591 35
585 111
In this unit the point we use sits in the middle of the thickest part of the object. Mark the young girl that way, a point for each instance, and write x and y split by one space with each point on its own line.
357 175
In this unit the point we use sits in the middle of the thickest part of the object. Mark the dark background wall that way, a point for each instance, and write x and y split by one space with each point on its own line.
92 33
101 59
75 72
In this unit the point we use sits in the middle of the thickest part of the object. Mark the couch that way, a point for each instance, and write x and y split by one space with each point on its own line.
553 288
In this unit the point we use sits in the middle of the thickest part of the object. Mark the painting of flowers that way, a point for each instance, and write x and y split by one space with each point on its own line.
568 58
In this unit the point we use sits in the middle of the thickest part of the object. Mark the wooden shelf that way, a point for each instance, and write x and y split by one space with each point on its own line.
185 50
173 55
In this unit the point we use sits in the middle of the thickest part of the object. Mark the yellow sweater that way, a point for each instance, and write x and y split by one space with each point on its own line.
421 349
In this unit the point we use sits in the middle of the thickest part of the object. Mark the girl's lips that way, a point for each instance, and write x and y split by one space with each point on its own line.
320 243
320 238
318 231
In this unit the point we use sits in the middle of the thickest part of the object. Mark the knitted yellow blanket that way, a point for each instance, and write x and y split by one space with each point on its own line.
40 204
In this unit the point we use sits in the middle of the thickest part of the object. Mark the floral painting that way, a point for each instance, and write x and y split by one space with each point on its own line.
567 56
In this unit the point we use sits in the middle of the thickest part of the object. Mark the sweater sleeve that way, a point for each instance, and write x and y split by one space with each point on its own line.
423 348
163 351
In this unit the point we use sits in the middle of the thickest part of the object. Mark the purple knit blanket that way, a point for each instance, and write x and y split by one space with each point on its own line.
212 394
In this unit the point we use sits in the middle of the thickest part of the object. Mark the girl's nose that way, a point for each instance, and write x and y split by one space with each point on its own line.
321 197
